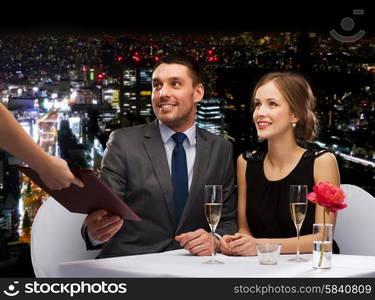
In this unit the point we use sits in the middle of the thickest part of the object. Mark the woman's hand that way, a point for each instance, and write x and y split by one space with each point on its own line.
238 244
55 173
224 245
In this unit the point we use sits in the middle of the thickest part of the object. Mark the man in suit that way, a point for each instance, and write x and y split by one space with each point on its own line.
140 166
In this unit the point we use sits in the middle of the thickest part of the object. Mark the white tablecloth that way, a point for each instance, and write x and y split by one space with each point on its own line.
179 263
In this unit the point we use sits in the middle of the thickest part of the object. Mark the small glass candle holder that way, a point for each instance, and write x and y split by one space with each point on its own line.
268 253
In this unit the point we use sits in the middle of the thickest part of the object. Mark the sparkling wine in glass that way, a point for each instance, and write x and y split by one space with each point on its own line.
298 209
213 204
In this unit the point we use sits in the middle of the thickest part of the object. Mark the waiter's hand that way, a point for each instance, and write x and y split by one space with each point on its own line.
102 226
55 173
198 242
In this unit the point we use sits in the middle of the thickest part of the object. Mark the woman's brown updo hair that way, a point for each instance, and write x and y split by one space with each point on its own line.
297 92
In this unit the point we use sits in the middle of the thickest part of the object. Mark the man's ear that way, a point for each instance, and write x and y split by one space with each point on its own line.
198 92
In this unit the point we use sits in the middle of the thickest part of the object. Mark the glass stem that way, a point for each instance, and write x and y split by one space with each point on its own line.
213 247
298 241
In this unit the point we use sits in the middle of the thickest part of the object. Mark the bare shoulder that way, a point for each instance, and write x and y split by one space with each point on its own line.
325 160
240 159
326 168
241 166
241 162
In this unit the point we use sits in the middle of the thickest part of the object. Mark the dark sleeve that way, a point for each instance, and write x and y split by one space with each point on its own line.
113 170
84 234
228 220
112 173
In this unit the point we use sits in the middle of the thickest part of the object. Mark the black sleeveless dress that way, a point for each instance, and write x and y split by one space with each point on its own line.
267 208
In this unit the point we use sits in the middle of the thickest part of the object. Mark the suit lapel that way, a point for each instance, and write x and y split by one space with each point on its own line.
199 176
154 146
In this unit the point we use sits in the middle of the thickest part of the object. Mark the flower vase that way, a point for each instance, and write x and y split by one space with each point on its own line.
322 246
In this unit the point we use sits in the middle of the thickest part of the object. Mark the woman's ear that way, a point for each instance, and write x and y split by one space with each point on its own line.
294 118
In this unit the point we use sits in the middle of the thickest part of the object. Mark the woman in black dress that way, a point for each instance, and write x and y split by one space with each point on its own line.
283 115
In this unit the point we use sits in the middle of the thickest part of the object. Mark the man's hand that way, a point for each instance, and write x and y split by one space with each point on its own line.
198 242
102 226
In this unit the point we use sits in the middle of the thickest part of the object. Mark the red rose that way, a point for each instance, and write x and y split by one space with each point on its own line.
328 195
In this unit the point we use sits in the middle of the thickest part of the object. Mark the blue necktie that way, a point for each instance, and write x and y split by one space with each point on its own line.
179 174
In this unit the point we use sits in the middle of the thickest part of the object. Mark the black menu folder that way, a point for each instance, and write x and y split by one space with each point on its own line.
93 196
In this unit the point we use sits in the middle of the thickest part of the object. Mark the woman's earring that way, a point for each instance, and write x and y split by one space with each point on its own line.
294 124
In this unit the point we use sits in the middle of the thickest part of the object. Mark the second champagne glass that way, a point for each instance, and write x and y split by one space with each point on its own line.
213 203
298 209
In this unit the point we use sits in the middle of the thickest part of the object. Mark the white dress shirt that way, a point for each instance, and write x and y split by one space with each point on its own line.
190 146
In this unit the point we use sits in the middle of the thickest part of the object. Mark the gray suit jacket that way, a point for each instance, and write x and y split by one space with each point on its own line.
135 167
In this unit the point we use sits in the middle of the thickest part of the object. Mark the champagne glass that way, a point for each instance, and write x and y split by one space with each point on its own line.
213 203
298 208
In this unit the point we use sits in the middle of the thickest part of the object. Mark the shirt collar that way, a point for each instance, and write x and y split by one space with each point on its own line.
166 133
